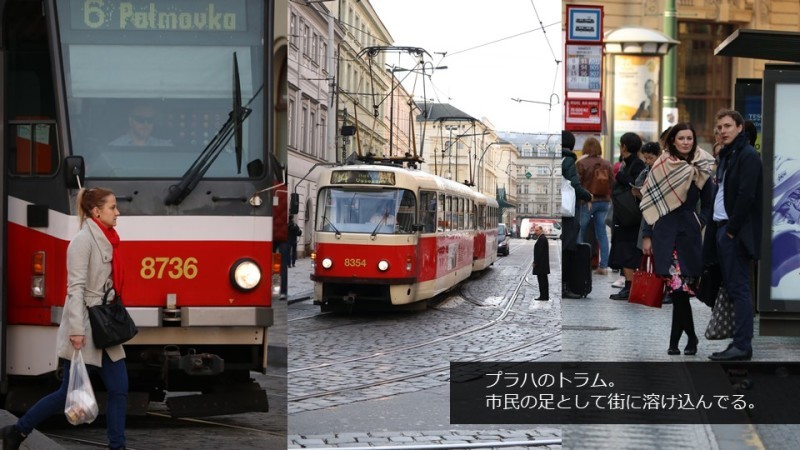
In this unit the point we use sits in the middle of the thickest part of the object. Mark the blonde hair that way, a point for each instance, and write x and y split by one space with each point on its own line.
89 199
591 147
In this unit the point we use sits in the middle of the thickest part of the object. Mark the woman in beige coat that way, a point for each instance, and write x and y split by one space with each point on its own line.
93 266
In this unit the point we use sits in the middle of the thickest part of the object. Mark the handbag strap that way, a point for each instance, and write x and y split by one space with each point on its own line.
105 295
646 265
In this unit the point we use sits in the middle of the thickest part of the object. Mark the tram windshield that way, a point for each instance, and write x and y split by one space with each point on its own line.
386 211
149 84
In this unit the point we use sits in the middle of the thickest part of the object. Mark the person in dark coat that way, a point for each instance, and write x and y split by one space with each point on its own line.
541 262
569 225
736 224
294 233
678 181
624 253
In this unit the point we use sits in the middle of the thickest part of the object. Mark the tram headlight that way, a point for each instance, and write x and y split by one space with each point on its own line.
383 265
327 263
245 274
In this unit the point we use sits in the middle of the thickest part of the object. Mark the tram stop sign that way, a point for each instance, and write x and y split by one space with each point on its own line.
528 175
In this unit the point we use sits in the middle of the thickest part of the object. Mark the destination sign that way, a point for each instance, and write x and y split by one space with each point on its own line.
362 177
144 15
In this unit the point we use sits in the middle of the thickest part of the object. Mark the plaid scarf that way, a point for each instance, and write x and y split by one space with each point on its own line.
669 181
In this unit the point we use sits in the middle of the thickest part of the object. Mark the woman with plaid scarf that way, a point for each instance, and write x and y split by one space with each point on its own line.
677 183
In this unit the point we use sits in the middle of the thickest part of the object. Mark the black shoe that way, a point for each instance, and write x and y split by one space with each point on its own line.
12 437
733 353
726 349
673 351
691 347
542 299
621 295
569 294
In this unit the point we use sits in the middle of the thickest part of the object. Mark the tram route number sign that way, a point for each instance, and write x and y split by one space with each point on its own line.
172 15
362 177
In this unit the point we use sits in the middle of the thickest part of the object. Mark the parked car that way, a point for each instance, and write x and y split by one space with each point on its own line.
503 236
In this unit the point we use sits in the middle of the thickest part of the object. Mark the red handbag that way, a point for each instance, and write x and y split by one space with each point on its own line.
647 288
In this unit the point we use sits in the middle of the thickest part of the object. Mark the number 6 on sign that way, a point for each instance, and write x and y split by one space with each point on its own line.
174 267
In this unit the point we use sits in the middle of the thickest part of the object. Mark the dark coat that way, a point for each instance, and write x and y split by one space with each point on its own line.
680 229
743 183
569 225
541 256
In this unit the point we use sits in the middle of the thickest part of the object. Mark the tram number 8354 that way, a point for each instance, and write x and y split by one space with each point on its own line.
354 262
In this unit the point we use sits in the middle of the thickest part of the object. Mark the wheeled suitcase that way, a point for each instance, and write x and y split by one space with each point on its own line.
579 281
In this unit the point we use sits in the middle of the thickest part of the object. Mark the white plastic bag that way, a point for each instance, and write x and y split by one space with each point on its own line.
567 198
81 405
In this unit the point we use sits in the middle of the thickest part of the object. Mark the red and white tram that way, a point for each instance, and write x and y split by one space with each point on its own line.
391 235
144 98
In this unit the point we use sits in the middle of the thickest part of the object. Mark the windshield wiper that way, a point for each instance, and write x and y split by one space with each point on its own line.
383 220
325 219
230 129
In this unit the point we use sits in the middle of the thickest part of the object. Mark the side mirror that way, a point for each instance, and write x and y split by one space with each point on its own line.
294 203
74 172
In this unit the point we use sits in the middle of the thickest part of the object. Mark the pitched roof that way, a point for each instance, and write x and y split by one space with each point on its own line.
442 111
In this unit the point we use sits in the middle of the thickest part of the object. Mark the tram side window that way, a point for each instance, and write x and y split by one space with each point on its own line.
427 205
481 217
461 213
407 213
441 223
33 148
448 214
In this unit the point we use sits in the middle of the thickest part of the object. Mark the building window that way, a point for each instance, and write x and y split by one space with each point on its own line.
306 42
291 124
304 129
314 45
293 29
542 209
323 133
312 136
324 57
703 79
542 171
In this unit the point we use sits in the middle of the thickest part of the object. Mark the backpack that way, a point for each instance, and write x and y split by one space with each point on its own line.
295 230
600 183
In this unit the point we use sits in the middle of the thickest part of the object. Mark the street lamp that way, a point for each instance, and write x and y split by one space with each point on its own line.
480 164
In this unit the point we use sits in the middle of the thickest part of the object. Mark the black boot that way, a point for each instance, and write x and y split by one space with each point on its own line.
12 437
676 331
687 323
623 294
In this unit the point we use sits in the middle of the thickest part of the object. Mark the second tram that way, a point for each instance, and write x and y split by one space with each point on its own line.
391 235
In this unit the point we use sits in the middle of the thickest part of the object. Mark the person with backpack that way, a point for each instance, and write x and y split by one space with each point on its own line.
595 175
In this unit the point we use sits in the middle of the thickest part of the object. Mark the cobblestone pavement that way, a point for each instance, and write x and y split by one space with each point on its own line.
600 329
333 337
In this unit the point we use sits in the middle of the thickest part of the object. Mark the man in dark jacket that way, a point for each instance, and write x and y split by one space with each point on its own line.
541 262
569 225
735 227
294 233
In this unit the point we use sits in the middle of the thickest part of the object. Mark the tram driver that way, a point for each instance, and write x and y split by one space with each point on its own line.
141 122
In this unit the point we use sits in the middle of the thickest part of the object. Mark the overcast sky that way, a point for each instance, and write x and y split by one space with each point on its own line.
482 81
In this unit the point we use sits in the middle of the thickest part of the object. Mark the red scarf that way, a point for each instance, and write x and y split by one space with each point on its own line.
116 260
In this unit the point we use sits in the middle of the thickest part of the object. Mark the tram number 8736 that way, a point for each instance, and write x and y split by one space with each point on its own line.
154 267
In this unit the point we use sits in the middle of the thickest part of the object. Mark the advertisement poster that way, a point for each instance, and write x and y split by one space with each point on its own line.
637 97
785 282
583 115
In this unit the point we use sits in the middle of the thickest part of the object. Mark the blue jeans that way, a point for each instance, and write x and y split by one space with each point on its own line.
114 376
598 216
736 279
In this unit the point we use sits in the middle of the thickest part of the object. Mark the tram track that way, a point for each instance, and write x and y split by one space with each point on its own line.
161 420
506 309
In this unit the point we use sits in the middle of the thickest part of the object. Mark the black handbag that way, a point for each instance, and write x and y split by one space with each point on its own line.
626 206
710 283
111 323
